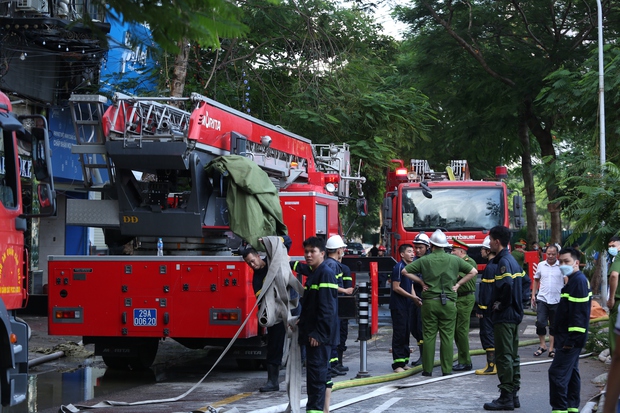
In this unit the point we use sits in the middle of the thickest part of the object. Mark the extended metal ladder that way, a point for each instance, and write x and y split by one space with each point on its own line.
87 114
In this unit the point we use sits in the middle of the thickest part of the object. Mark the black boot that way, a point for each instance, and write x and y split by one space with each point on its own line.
340 365
419 360
505 402
272 384
461 367
515 398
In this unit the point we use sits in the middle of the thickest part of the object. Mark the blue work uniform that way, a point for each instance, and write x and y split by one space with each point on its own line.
400 308
571 332
507 314
318 320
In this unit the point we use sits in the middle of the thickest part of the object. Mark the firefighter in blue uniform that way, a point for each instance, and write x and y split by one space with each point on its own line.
318 323
335 250
347 285
402 297
506 314
483 308
571 332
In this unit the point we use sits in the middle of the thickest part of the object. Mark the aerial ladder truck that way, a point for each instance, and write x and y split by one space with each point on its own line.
148 159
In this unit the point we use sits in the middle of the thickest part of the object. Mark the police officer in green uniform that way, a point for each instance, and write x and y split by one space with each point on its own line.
464 306
440 286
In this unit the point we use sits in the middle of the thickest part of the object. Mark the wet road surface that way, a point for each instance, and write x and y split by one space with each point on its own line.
86 380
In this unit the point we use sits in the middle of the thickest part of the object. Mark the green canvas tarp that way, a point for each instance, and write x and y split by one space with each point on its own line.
252 199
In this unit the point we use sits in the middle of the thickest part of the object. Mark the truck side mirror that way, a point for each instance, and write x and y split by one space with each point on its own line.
362 207
387 212
517 210
426 190
40 154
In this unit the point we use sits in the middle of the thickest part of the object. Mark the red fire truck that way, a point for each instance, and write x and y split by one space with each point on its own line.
419 199
148 158
24 152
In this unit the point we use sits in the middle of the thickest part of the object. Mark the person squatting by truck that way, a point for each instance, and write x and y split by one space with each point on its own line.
276 334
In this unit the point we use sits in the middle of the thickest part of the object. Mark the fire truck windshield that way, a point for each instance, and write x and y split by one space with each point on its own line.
453 209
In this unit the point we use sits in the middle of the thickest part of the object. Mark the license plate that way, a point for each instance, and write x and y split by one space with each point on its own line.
144 317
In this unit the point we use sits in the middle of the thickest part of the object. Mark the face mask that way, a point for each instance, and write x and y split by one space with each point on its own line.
566 269
613 251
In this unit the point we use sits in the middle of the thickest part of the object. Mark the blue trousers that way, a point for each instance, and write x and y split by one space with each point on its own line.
487 337
564 380
400 337
276 335
317 365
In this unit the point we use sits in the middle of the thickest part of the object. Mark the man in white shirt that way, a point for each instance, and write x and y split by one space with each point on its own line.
548 283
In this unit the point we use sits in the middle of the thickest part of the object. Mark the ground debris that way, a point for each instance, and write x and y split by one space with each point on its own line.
70 348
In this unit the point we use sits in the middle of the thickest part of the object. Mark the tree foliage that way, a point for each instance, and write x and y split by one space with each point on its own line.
324 72
589 189
517 44
202 21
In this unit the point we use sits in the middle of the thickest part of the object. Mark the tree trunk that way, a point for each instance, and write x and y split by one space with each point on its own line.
529 192
180 69
545 141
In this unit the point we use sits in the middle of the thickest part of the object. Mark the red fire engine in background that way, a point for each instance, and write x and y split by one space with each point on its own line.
28 139
419 199
152 157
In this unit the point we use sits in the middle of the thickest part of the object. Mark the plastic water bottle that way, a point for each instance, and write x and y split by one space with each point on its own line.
160 247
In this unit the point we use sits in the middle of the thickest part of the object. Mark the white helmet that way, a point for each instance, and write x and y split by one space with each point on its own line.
487 243
422 238
334 242
439 239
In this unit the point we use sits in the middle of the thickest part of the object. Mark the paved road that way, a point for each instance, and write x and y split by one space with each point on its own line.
75 379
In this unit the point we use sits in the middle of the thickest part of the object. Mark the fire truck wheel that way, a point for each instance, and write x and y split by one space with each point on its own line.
250 364
144 355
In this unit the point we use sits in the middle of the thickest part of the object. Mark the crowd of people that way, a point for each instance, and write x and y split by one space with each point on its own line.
432 293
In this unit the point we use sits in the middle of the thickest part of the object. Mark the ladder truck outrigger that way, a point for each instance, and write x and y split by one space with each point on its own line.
25 160
147 158
418 198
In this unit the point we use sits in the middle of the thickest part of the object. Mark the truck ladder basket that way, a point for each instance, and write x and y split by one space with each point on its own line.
87 114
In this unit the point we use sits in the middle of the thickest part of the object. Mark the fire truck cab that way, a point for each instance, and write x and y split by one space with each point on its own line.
25 152
419 199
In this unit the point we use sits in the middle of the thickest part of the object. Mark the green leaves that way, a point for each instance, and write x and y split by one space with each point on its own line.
198 21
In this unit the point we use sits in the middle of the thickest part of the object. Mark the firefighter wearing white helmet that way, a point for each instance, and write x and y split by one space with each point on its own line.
334 242
483 308
440 273
422 238
335 246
